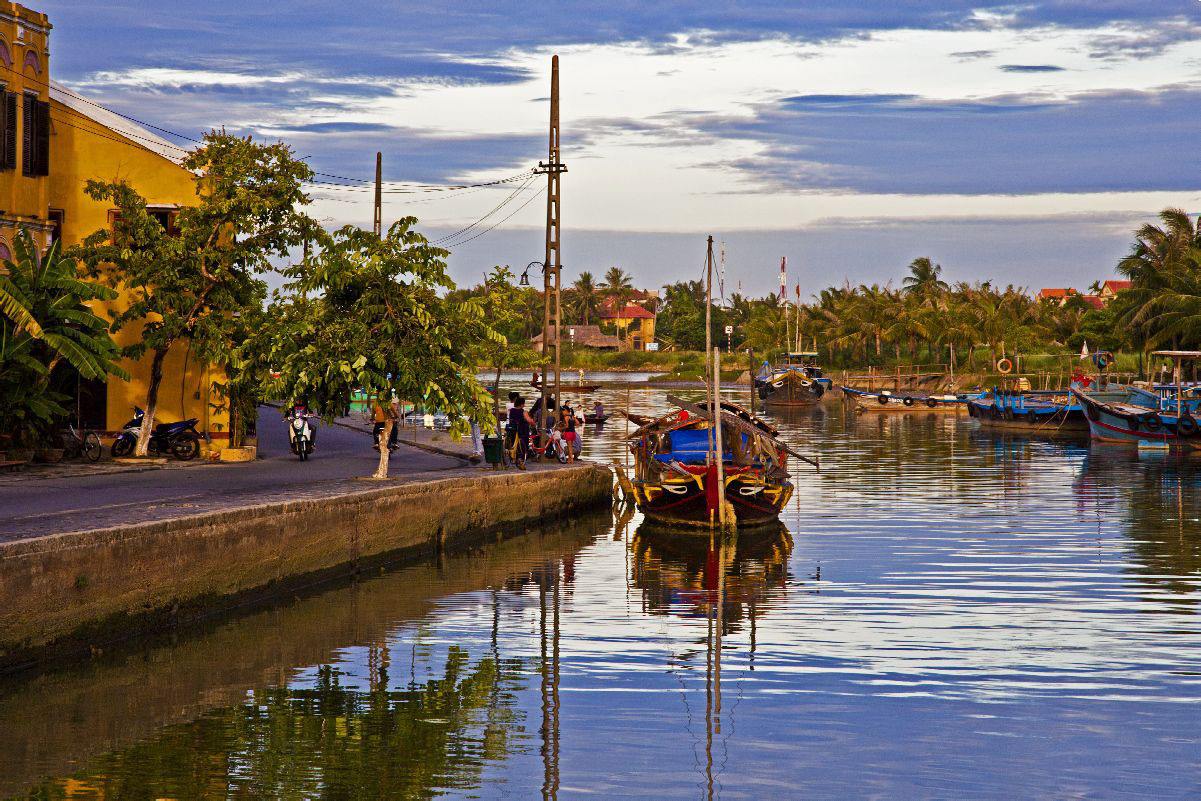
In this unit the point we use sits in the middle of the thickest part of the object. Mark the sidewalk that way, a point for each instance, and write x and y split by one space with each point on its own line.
426 439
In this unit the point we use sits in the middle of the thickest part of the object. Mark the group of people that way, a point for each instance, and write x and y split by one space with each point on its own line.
562 427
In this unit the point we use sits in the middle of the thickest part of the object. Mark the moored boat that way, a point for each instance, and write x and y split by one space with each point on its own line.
896 402
1017 407
796 381
1162 415
675 479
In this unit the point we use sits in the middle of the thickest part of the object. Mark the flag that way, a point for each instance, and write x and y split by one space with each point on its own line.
1084 351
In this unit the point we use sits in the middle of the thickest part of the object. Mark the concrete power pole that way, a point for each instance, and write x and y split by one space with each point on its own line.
378 223
552 269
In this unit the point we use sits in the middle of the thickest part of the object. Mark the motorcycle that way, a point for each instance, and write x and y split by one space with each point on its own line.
181 439
300 434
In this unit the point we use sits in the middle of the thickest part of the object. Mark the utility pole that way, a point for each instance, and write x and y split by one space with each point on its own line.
551 270
379 194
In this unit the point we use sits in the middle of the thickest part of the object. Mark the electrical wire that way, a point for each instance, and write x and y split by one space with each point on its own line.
495 209
492 227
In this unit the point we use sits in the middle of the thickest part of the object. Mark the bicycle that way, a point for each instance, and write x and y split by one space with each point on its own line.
76 445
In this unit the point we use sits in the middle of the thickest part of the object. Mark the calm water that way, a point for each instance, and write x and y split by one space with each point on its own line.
948 614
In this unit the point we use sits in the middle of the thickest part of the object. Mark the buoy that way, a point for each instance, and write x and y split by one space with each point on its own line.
1004 366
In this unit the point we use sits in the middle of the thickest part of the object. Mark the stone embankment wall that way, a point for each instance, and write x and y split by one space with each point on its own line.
70 593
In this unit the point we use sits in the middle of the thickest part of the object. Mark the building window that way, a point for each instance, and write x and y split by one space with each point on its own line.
55 216
35 156
165 218
8 130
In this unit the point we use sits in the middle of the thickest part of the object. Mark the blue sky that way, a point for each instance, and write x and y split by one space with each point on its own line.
968 132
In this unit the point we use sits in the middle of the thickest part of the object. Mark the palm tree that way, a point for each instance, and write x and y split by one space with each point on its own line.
618 287
585 298
924 278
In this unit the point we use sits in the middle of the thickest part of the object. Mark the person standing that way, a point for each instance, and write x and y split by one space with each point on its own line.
519 424
569 433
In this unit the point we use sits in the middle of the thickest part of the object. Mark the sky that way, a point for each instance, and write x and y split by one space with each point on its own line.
1018 142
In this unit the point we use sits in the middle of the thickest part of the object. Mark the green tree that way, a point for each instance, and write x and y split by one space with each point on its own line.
369 314
924 279
187 283
585 298
618 288
45 322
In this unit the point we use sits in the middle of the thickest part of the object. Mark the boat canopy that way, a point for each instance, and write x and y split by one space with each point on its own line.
1178 354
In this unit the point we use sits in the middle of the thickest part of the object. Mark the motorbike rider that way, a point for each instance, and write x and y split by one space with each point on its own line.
300 408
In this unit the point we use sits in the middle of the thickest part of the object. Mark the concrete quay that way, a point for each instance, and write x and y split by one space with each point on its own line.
68 594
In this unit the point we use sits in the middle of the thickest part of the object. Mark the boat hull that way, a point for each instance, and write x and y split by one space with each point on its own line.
1042 419
870 402
677 501
1107 424
790 389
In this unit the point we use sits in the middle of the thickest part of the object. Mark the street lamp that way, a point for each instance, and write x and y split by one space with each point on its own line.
525 274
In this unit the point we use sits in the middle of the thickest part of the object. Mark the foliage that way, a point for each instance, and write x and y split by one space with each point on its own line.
365 313
1162 308
45 322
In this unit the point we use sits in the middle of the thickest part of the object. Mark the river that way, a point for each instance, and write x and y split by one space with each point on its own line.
947 614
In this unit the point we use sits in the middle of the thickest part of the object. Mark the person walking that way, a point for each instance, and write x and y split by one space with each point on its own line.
519 424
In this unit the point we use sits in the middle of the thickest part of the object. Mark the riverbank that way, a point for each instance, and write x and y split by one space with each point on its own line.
66 595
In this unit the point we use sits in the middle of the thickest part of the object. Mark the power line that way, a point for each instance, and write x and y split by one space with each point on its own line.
492 227
495 209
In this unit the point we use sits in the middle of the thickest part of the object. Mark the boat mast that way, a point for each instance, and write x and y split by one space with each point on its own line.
709 332
784 299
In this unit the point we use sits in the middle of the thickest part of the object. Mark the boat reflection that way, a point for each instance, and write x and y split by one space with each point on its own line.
1158 496
680 575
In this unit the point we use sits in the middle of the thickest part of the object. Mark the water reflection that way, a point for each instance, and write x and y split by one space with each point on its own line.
946 613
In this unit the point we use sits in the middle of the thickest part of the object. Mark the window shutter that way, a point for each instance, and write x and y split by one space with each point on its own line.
28 123
4 165
41 162
10 131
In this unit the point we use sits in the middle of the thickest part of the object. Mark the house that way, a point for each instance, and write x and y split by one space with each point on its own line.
1110 289
583 336
1058 296
635 325
54 141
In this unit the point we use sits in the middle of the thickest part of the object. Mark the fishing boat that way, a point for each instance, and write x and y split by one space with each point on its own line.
1017 407
1157 415
886 401
796 381
676 476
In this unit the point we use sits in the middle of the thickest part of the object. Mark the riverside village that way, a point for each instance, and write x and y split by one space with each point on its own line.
413 401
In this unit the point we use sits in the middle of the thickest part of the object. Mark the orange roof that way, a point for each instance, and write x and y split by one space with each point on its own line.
630 312
1055 293
1115 286
1096 301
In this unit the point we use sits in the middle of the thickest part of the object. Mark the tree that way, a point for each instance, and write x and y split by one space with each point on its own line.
187 283
618 288
503 311
367 314
585 299
45 322
924 278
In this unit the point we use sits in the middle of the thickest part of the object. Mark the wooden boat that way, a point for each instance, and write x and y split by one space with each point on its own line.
1018 408
796 381
563 387
675 475
885 401
1156 416
636 419
593 419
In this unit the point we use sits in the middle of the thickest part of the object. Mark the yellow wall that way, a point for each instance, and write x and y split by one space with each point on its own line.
630 327
82 149
24 67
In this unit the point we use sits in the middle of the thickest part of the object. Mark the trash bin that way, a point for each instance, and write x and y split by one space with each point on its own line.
492 450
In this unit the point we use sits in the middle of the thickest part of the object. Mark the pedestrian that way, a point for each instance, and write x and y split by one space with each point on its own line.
477 443
567 421
519 424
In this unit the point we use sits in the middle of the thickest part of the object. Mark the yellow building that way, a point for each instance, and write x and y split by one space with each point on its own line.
634 324
62 140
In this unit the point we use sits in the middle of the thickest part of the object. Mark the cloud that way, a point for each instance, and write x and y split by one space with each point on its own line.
1010 144
1143 42
1030 68
973 55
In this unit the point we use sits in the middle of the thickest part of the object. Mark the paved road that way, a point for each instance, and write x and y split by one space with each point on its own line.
46 506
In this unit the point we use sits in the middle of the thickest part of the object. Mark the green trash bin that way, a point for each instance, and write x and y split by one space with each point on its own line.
492 450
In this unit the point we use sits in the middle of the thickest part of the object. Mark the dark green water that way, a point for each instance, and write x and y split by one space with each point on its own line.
946 614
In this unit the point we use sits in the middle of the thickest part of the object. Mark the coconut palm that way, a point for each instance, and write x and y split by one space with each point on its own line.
585 298
924 278
618 287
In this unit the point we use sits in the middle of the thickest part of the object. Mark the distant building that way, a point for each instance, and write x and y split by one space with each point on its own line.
1058 295
583 336
635 325
1110 289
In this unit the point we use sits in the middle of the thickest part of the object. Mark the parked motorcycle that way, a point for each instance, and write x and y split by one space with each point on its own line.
181 439
300 434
